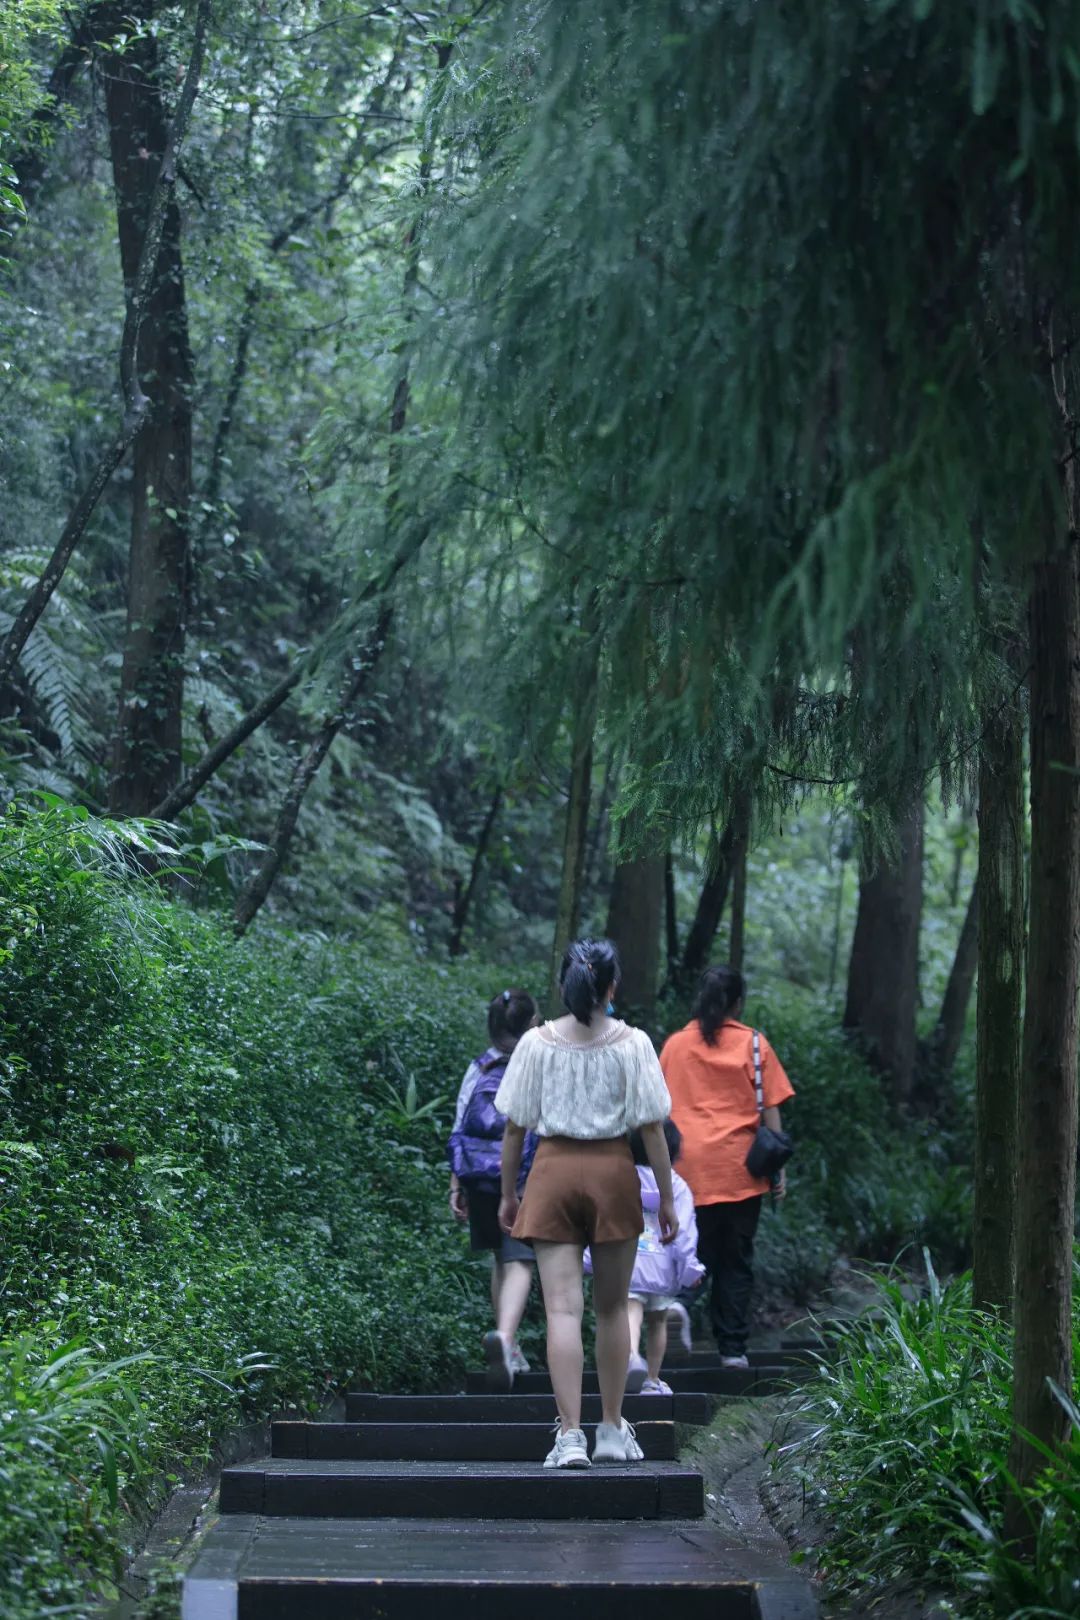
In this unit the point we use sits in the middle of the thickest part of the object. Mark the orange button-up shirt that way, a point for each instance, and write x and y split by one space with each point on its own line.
713 1104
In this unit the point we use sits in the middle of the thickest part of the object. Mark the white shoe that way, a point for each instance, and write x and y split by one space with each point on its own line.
679 1317
569 1450
500 1366
636 1373
518 1362
734 1361
655 1386
616 1444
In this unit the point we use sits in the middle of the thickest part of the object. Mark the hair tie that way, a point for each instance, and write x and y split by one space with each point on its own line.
506 997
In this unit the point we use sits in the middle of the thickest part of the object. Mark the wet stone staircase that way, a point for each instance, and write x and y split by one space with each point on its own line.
422 1505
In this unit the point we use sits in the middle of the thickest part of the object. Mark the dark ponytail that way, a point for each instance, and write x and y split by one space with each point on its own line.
590 970
509 1016
719 991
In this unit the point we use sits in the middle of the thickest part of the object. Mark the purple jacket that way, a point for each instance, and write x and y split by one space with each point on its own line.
475 1146
664 1268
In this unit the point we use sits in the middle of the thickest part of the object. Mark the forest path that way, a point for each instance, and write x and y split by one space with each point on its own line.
419 1500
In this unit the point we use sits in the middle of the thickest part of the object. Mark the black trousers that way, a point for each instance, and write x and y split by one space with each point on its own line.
726 1250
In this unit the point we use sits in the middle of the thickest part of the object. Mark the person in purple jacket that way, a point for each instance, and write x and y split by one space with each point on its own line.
475 1152
660 1271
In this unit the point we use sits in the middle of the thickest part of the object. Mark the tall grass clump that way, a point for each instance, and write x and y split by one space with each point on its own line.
902 1439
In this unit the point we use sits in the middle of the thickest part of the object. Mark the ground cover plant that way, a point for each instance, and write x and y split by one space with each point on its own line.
220 1191
902 1441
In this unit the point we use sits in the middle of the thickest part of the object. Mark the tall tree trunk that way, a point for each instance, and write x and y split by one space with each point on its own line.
937 1054
147 749
1046 1165
635 911
671 918
999 1007
465 898
710 909
883 975
568 909
135 403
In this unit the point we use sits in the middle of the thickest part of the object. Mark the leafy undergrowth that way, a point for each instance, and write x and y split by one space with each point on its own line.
902 1441
220 1191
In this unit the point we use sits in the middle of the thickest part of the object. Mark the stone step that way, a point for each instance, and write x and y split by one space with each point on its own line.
326 1569
361 1407
716 1380
442 1442
677 1357
347 1489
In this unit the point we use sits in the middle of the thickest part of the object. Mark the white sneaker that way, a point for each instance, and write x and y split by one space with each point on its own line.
569 1450
734 1361
636 1373
616 1444
518 1362
679 1317
655 1386
500 1367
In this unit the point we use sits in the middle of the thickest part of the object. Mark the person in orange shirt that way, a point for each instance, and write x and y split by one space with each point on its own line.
709 1069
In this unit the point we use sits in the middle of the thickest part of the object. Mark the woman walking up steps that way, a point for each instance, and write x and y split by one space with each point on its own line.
583 1082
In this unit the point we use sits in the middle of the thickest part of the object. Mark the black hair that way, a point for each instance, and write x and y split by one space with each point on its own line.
719 991
509 1016
672 1136
590 970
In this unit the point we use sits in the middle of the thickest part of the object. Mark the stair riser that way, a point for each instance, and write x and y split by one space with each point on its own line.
365 1408
730 1381
441 1442
314 1600
592 1494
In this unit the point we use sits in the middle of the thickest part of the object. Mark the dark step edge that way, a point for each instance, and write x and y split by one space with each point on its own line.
595 1494
448 1442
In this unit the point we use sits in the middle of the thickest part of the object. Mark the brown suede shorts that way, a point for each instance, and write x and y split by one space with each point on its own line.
581 1192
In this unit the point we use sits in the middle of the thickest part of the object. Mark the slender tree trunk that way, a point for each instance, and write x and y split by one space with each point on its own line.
635 912
999 1008
883 975
465 899
568 910
1046 1165
710 908
937 1054
187 791
737 940
307 768
671 918
147 749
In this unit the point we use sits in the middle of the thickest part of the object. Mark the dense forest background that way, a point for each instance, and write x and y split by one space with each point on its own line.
470 477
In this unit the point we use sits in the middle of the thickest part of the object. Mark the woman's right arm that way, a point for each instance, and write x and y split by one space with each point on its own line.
512 1148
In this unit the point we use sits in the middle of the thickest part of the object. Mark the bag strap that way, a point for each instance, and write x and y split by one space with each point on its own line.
759 1088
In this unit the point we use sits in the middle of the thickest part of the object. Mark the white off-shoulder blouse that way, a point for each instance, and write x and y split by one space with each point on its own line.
592 1090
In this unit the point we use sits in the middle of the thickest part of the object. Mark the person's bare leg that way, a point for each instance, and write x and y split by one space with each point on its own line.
635 1310
517 1276
496 1286
655 1341
613 1264
559 1265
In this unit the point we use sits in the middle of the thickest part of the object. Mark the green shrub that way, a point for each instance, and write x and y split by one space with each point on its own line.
226 1158
903 1438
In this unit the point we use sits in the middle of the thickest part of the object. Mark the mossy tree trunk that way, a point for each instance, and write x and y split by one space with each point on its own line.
883 975
635 917
999 1006
1047 1111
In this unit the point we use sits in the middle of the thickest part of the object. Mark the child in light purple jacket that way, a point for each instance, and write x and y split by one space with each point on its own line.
660 1271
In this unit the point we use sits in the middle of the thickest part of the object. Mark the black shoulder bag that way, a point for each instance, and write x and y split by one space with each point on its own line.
770 1150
